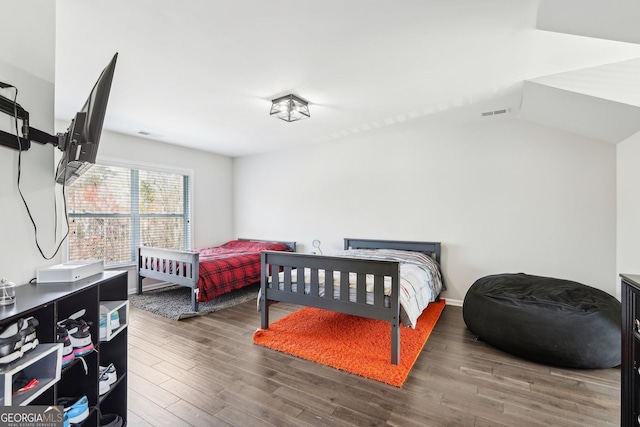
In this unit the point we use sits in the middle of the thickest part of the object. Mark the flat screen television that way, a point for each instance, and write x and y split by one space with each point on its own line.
80 143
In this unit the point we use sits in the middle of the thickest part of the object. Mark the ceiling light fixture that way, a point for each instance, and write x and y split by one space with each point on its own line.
290 108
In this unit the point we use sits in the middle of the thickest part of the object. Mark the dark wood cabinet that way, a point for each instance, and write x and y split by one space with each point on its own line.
630 381
51 302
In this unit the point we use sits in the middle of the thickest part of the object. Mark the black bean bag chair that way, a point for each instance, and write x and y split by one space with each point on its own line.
553 321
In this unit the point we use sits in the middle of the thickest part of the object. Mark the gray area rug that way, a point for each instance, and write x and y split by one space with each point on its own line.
174 302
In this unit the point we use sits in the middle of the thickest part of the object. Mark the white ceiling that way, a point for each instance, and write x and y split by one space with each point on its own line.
202 73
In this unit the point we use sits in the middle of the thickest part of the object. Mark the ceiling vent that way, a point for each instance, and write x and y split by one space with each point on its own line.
496 112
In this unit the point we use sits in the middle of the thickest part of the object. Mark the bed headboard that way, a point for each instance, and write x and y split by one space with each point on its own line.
431 249
290 245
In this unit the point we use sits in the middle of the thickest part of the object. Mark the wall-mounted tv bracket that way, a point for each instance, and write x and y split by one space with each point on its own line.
29 134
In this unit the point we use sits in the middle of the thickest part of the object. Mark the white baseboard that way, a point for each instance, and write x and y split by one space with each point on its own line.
454 302
150 287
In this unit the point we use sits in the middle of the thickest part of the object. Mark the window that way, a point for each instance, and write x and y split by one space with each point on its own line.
113 210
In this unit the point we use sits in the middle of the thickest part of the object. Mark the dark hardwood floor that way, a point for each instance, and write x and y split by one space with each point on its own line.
206 371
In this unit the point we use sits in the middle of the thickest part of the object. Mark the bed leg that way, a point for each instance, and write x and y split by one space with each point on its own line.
139 290
395 343
194 300
264 312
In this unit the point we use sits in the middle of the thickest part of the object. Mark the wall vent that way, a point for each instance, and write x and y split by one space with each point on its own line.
496 112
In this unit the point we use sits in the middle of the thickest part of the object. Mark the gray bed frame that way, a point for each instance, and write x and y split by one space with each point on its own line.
181 267
274 262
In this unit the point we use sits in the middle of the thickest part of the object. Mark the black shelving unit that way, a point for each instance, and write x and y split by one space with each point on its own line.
52 302
630 381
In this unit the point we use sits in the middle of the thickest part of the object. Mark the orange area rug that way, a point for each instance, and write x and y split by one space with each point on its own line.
350 343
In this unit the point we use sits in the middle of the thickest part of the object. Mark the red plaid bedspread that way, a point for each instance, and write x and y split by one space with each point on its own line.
231 266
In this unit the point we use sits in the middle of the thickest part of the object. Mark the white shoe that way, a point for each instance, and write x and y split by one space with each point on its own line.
107 377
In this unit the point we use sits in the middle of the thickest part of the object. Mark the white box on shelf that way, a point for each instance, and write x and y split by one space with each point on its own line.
43 363
70 271
114 317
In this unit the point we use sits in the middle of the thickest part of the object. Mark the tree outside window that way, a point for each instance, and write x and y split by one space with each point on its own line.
113 210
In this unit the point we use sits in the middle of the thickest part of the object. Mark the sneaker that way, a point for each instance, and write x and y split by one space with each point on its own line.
67 348
110 420
77 409
77 316
103 327
28 334
107 377
23 383
114 321
80 340
10 342
103 382
79 334
110 370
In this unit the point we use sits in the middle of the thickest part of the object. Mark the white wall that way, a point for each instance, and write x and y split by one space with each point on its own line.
501 195
28 58
628 187
27 47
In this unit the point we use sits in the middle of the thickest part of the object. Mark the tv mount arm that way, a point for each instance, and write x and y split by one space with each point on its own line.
7 139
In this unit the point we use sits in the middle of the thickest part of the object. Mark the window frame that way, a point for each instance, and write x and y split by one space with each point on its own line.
134 168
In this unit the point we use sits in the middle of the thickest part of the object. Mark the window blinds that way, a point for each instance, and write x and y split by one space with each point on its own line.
113 210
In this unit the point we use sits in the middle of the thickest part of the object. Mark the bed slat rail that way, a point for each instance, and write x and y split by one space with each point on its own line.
181 266
177 267
293 290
